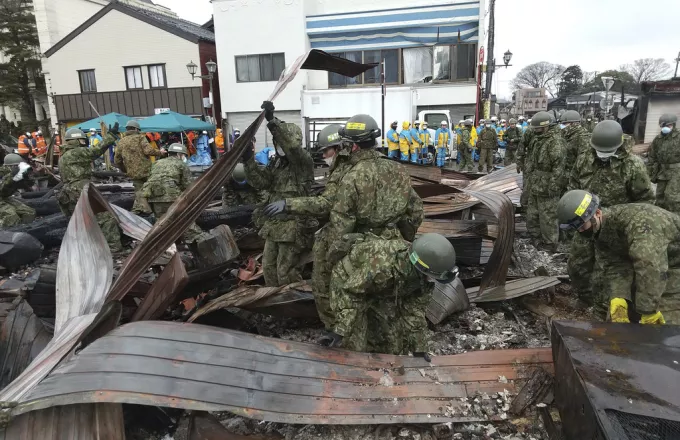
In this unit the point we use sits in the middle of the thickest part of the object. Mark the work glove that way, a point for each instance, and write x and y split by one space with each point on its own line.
6 416
247 154
114 129
330 339
618 310
274 208
23 169
268 108
654 319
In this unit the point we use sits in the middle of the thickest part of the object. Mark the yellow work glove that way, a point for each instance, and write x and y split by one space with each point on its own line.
618 310
654 319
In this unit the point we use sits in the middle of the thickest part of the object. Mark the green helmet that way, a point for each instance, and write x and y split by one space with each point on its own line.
12 159
607 137
513 121
575 208
177 148
133 124
433 255
329 137
668 118
542 119
570 116
239 173
360 129
74 133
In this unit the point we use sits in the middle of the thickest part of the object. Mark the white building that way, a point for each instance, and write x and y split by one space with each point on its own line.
430 46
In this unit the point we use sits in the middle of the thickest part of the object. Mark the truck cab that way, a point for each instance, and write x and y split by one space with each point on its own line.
434 120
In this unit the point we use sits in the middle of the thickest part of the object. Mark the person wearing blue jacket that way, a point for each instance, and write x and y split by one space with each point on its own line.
392 139
442 138
405 141
480 127
416 143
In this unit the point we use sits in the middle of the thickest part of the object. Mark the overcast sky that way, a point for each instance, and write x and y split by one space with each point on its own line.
595 34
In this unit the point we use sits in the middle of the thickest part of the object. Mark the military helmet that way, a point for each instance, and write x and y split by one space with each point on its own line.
133 124
467 122
513 121
481 121
607 137
542 119
433 255
575 208
239 173
360 129
177 148
13 159
329 137
668 118
570 116
74 133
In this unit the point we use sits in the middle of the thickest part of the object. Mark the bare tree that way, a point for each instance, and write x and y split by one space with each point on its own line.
539 75
587 77
648 69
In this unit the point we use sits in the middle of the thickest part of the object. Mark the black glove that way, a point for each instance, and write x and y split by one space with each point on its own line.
115 129
330 339
268 108
248 153
274 208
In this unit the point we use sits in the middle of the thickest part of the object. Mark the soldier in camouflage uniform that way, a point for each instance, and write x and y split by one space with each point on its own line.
523 152
465 147
576 137
617 177
289 175
13 177
75 168
238 192
169 178
513 136
637 245
548 180
589 123
488 141
132 156
664 164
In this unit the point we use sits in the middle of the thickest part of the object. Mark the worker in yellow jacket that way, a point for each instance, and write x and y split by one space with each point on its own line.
392 139
405 141
416 143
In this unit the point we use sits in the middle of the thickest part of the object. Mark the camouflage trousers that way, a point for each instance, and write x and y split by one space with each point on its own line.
510 157
580 266
542 219
486 158
160 208
668 195
141 205
13 213
68 199
466 162
280 263
321 278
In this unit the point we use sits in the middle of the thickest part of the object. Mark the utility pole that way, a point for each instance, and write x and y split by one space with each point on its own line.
677 61
490 62
383 89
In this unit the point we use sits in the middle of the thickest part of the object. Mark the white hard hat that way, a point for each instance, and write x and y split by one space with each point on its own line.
503 120
460 122
493 118
93 130
39 132
445 123
28 133
205 132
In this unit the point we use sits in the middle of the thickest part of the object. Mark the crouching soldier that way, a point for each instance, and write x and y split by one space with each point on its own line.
14 176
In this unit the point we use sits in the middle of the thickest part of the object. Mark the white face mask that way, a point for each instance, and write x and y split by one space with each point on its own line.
605 155
329 160
280 152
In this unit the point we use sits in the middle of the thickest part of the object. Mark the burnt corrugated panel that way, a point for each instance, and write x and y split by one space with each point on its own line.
424 172
512 289
454 228
209 369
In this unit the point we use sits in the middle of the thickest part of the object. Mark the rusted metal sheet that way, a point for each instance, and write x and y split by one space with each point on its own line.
188 207
22 337
423 172
455 228
617 381
447 299
172 280
512 289
137 228
504 181
208 369
73 422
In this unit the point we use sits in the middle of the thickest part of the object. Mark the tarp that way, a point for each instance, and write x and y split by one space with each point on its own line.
172 122
109 119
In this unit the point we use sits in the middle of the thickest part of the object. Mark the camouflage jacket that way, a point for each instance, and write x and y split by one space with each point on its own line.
132 156
632 245
169 178
465 144
284 177
240 195
75 163
372 197
589 125
513 136
523 150
7 184
578 143
548 177
488 138
664 151
622 179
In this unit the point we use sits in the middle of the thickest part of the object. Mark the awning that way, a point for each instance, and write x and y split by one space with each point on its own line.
109 119
171 122
395 28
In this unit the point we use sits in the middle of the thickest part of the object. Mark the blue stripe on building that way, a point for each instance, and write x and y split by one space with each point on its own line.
401 10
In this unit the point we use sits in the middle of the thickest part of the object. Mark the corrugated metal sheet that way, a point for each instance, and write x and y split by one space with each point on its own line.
172 280
447 299
424 172
512 289
204 368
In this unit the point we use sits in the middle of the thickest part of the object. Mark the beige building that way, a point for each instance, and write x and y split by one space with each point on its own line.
528 102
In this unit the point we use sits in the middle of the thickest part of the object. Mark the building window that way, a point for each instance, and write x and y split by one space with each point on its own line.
157 78
263 67
439 63
417 65
88 83
372 76
133 77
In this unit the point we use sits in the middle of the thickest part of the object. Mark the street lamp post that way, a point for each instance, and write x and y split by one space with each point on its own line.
212 68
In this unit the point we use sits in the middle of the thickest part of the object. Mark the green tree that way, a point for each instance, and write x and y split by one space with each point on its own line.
20 74
570 81
621 80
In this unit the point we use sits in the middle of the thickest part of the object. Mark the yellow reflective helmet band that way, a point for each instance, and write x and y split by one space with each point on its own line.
415 259
333 137
355 126
584 205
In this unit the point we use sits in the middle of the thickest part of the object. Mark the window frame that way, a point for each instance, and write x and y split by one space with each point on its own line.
165 76
454 68
363 78
141 76
259 57
80 80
